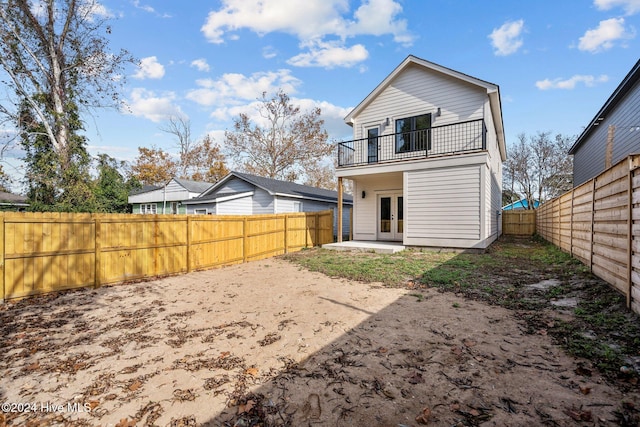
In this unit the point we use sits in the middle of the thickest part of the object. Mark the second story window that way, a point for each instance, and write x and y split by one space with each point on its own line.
412 133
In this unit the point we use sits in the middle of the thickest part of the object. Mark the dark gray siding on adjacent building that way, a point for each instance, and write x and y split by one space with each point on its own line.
622 111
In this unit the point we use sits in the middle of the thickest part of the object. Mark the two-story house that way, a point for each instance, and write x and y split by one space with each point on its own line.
426 159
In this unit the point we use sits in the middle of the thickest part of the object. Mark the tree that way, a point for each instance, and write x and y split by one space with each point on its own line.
284 145
539 168
197 160
208 162
153 166
58 66
5 180
50 186
180 127
112 188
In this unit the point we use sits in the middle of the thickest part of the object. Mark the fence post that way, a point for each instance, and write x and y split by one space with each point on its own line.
629 230
98 245
286 236
593 213
573 193
315 241
245 238
188 244
2 289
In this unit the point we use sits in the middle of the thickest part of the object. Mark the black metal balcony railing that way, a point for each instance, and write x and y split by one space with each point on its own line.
460 137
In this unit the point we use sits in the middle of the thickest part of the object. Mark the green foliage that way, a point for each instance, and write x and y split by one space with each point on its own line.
111 188
56 180
56 65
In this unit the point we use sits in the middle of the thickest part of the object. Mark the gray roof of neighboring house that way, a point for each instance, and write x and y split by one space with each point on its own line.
623 88
144 189
276 186
12 198
193 186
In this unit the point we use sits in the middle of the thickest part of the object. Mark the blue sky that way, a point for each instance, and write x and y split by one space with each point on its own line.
556 62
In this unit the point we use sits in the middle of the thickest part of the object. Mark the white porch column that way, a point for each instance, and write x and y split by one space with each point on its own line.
339 209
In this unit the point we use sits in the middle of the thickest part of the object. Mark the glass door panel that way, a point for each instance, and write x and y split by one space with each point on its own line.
385 214
372 145
400 215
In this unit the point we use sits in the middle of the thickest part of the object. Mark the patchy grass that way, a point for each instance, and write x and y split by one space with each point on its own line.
599 328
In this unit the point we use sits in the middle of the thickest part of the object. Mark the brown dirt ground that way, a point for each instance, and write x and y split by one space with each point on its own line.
268 343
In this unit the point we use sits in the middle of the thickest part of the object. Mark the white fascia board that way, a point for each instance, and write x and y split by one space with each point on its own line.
233 197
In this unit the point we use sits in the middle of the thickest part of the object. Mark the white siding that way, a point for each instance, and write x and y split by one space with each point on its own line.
443 204
234 185
493 190
241 206
419 91
262 202
365 210
286 204
210 207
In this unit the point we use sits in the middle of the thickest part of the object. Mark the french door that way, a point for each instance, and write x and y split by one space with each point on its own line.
390 217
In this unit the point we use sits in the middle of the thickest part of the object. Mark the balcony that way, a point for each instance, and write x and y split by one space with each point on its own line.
457 138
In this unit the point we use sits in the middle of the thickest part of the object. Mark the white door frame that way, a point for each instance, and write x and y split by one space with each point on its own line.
391 227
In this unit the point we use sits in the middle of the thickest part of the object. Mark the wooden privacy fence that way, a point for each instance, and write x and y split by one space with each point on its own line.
519 222
45 252
598 223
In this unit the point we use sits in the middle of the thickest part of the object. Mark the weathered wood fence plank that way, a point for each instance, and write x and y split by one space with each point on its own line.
602 226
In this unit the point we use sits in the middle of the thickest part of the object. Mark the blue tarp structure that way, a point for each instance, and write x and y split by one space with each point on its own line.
520 204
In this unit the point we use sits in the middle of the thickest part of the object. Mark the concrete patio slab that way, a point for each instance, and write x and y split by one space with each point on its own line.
366 246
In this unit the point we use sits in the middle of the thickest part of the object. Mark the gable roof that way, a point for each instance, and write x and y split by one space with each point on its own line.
623 88
276 187
493 91
193 186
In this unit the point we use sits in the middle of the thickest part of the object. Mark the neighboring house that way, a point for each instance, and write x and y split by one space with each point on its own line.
166 199
613 134
426 159
520 205
245 194
12 202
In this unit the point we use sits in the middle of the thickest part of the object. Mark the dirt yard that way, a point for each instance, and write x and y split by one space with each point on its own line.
269 343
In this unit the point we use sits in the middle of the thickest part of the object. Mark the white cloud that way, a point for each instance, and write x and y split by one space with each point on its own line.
631 7
571 83
378 17
317 20
234 89
201 64
147 104
269 52
507 39
604 37
332 115
149 68
145 7
91 9
330 55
